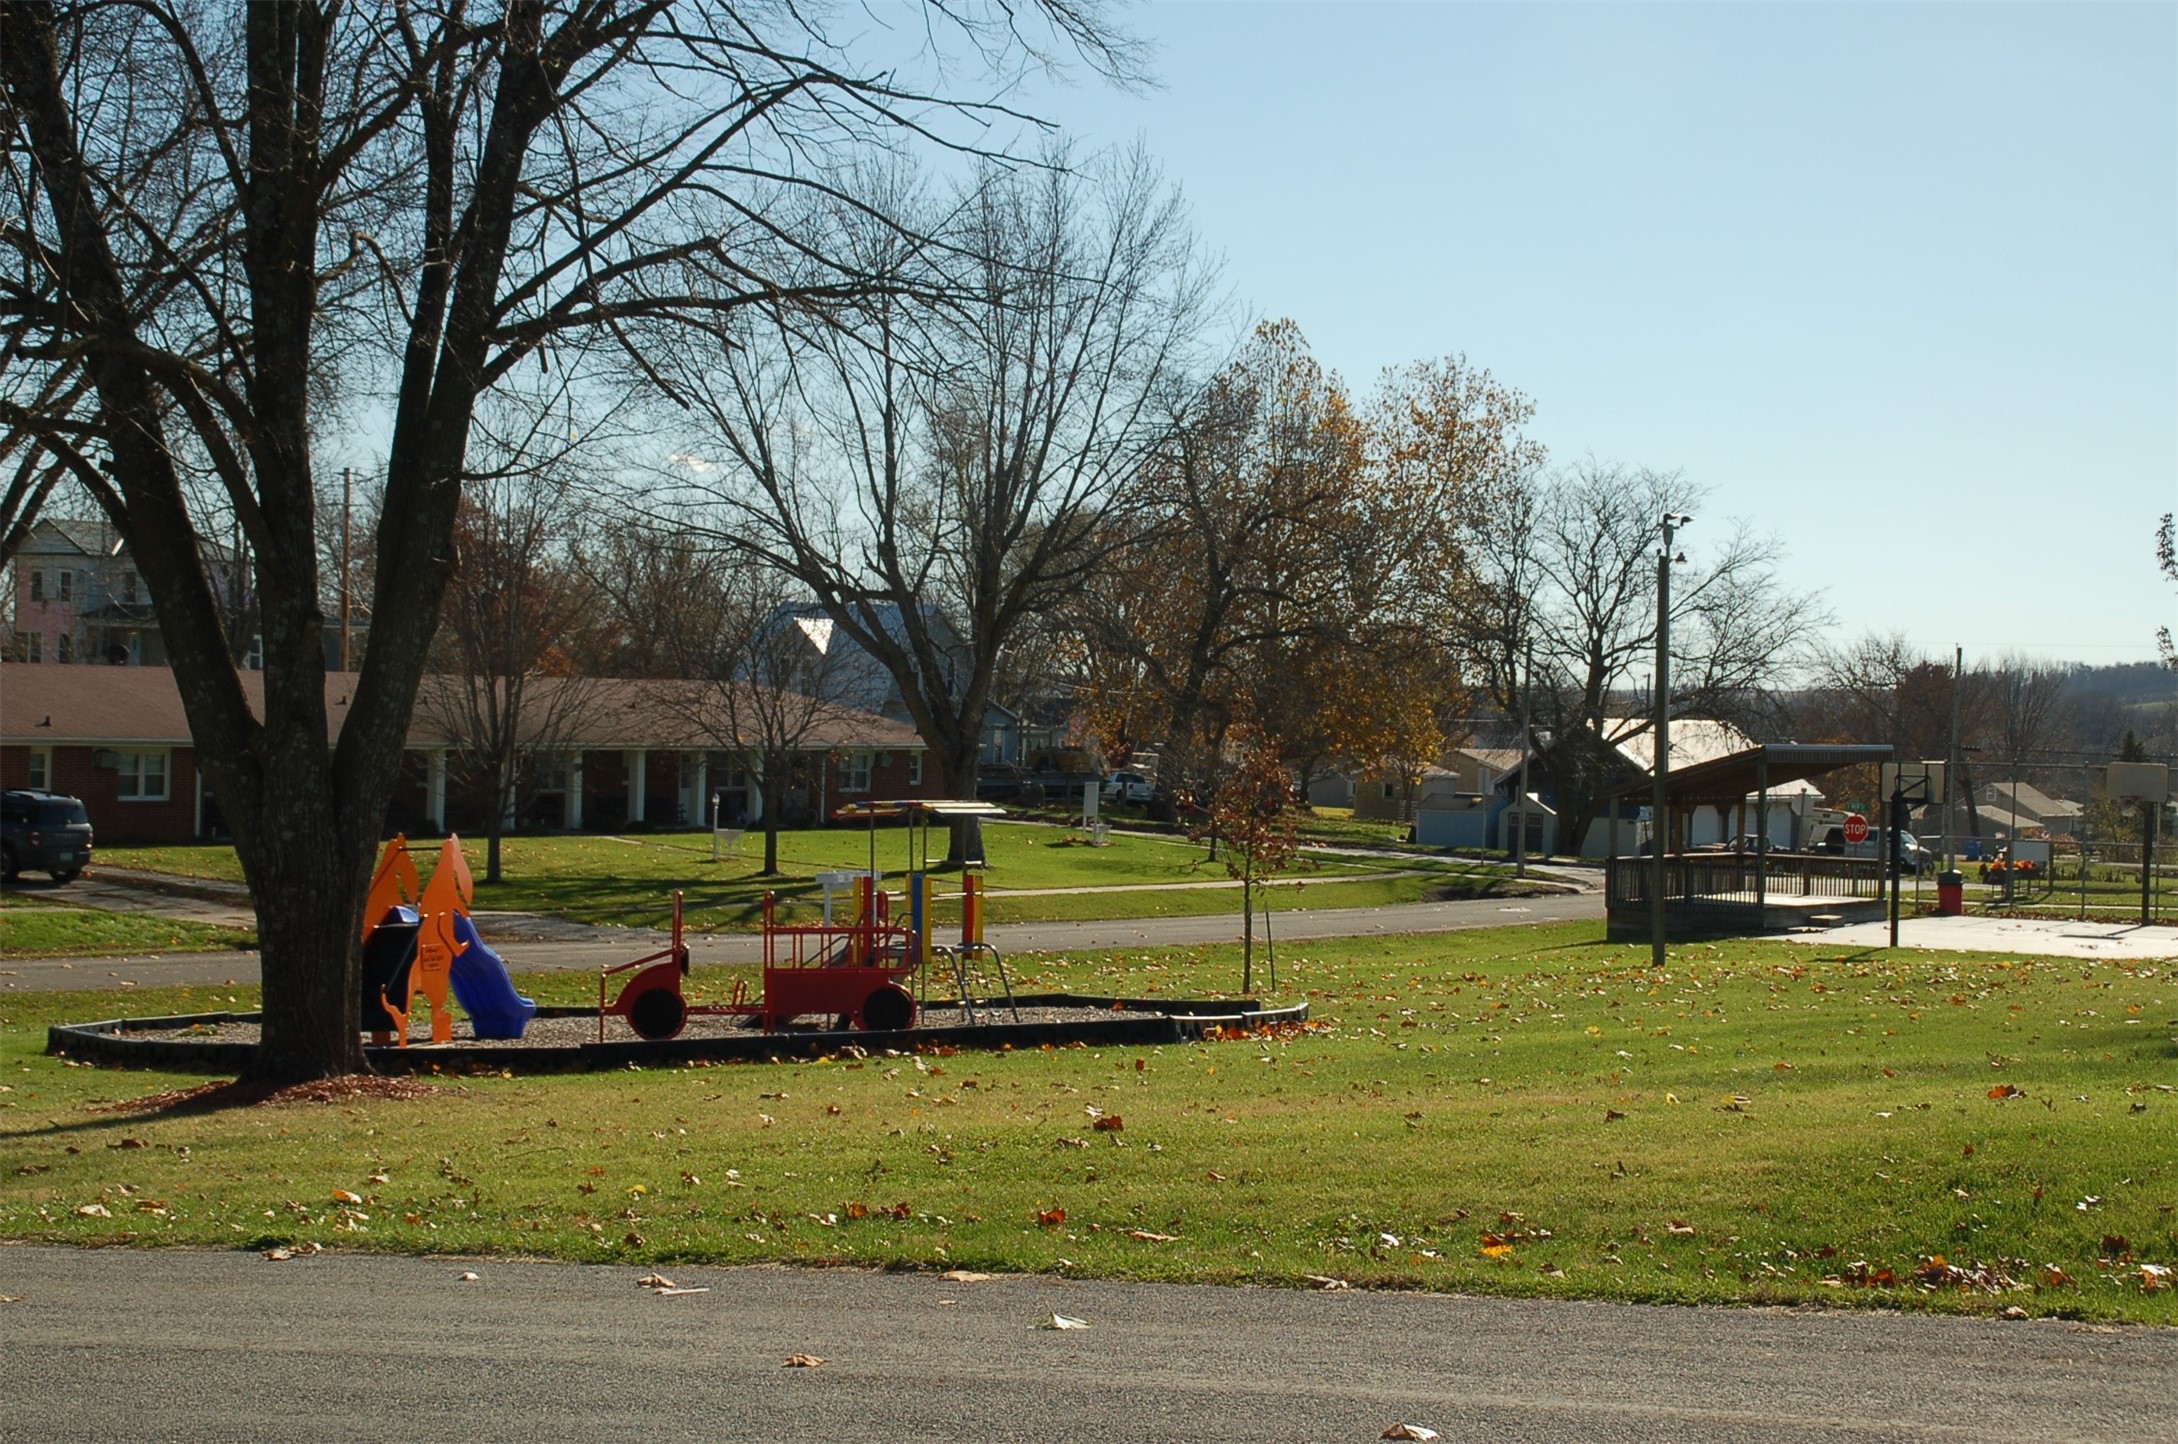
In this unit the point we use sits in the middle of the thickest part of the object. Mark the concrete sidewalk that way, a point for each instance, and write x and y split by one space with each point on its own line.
2041 937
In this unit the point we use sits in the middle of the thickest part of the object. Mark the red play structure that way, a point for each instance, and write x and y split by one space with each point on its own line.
858 972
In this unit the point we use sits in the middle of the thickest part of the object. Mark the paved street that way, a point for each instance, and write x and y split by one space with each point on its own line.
117 1344
204 969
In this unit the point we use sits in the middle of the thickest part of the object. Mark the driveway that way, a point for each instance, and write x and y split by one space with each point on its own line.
119 1344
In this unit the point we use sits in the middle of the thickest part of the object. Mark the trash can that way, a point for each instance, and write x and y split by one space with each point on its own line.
1950 894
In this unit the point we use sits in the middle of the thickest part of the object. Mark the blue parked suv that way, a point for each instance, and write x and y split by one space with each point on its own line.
45 832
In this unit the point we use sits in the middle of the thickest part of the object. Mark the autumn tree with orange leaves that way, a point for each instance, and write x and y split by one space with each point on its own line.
1297 567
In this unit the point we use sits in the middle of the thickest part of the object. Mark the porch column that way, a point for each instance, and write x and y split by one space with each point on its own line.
1762 838
196 772
638 786
573 812
700 808
435 788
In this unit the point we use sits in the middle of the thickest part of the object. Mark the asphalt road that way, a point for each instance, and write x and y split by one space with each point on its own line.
119 1344
205 969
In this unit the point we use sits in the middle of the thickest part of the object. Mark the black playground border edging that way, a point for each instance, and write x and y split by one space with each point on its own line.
1135 1022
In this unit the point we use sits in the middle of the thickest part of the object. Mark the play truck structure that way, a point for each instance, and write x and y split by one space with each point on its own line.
860 972
421 944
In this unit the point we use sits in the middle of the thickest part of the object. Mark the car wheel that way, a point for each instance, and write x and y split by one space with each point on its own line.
7 864
66 875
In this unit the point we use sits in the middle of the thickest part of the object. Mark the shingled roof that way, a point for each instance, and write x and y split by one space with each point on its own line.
109 706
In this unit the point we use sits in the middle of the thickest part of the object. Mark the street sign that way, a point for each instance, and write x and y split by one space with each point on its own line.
1856 828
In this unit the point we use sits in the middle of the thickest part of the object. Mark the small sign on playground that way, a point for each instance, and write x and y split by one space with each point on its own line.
1856 828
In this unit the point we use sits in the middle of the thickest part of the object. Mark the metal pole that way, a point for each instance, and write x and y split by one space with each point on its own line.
2148 810
1898 820
1527 692
1659 826
347 555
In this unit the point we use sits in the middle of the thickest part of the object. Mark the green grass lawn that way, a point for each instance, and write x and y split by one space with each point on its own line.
629 880
1522 1111
30 930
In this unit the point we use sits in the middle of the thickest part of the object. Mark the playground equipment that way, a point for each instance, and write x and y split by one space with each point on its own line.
422 942
861 972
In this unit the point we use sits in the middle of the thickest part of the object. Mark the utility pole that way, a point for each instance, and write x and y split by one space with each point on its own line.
1527 696
1951 757
347 541
1659 827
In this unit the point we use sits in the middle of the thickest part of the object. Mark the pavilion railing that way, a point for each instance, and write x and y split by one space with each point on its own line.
1734 879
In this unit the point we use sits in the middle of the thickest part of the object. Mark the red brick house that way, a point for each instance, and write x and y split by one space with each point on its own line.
117 738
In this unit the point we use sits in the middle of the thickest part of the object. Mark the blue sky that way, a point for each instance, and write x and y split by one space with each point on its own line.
1898 283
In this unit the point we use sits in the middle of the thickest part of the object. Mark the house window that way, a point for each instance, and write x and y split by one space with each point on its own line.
67 586
41 768
30 646
37 586
854 772
128 587
1390 790
915 769
143 776
64 646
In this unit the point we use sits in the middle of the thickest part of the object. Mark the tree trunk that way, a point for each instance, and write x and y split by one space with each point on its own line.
308 868
964 844
773 787
496 825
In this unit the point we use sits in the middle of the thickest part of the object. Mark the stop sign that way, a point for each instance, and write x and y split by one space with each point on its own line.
1856 828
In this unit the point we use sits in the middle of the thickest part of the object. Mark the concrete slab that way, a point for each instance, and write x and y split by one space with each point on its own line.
2040 937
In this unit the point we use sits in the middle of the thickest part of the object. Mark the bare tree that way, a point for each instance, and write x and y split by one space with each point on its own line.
665 600
769 698
1575 574
216 220
503 688
936 476
2026 715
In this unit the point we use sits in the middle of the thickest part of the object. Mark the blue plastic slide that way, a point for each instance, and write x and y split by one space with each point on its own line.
484 990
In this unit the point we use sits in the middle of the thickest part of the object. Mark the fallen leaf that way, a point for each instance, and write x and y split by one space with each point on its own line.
2011 1311
654 1281
1051 1217
1325 1281
342 1195
1612 1115
2006 1090
467 1276
1147 1237
1062 1321
94 1210
858 1210
1680 1227
803 1361
1496 1250
1408 1431
279 1255
1110 1123
964 1276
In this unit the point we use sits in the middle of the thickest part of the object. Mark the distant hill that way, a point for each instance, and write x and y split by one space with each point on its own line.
2129 684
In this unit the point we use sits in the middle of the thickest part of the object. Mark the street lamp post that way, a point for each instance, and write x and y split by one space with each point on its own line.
1659 827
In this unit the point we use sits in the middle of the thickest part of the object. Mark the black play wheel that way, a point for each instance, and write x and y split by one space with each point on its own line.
657 1014
888 1009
